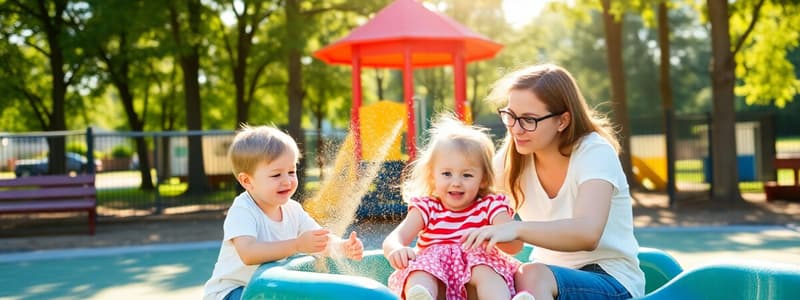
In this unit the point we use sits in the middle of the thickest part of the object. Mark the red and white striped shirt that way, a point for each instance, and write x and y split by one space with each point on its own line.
443 226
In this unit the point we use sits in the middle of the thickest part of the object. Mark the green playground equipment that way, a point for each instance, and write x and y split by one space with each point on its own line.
740 280
300 278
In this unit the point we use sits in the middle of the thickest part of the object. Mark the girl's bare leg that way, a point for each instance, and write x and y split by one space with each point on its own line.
487 284
426 280
536 279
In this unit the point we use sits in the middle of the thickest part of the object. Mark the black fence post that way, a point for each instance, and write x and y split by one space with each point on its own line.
159 206
90 151
670 138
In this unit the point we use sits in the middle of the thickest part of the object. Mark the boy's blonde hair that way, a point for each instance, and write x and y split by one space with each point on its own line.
253 145
448 134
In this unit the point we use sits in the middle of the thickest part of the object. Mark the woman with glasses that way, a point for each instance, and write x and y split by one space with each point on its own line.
560 165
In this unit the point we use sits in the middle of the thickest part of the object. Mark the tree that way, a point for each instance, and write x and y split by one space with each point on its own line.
247 69
724 169
764 72
187 38
612 23
116 29
49 28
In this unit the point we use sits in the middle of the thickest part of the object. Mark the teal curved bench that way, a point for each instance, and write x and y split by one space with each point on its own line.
733 281
310 278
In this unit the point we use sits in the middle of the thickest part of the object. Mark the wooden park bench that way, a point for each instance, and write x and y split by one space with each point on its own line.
50 193
785 192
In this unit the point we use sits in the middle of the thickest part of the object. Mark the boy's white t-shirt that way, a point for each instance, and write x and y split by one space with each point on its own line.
245 218
617 252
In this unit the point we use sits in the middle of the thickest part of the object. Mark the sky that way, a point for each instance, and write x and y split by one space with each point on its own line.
521 12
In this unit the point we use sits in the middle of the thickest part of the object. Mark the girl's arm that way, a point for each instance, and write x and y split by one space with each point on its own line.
254 252
580 233
512 247
395 246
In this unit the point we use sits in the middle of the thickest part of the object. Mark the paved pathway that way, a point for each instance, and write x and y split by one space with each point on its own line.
178 271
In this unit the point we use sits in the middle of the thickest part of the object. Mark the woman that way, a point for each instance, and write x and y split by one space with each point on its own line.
560 165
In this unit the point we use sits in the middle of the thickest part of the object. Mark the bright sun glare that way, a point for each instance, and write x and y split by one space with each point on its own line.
521 12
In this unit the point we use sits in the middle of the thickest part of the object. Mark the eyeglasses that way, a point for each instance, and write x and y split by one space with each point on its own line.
527 123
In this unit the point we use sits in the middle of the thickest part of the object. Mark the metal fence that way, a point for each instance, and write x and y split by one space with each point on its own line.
123 172
123 169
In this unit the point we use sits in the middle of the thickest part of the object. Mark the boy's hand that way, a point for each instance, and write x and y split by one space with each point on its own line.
353 248
312 241
400 257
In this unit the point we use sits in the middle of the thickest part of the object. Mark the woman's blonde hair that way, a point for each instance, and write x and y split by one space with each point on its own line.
253 145
449 134
556 87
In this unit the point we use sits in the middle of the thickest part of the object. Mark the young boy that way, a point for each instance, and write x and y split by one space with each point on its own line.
264 224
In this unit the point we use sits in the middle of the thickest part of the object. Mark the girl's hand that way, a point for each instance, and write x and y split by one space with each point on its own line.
353 247
489 236
400 257
312 241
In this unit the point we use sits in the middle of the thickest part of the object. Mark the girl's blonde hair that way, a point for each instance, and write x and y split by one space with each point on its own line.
253 145
556 87
449 134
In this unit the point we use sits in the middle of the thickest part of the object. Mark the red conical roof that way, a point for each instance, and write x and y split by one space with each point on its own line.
431 37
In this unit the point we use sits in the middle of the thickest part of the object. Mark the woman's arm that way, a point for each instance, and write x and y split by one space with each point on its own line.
580 233
512 247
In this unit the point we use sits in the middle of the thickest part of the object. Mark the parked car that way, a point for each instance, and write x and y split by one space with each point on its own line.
75 163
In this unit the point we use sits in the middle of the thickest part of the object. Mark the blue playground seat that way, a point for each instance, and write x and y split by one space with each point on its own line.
300 277
733 281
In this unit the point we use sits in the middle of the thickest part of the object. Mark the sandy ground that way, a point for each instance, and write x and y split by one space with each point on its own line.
650 210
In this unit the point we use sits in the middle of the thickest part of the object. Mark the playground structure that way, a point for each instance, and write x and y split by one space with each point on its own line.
406 35
299 278
403 35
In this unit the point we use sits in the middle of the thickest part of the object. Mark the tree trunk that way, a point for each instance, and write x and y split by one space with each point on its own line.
53 28
724 169
294 88
619 104
120 76
379 83
138 126
188 55
665 88
239 73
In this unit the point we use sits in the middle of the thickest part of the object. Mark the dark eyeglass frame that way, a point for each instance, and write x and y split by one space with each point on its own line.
516 119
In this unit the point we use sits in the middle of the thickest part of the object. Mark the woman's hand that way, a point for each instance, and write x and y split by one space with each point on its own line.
490 236
400 257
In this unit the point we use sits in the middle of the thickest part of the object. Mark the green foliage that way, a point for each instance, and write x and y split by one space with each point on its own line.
128 44
77 147
121 151
767 76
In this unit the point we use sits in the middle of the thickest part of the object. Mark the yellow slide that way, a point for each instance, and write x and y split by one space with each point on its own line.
651 172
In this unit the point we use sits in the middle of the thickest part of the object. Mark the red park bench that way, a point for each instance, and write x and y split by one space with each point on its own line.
50 193
784 192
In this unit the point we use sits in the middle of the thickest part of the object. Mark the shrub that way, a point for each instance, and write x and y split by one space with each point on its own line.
121 151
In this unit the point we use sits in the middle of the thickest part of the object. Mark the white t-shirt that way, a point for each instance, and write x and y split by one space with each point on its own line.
245 218
617 252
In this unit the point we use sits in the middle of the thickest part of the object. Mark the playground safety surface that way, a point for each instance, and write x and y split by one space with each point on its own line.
650 210
171 256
